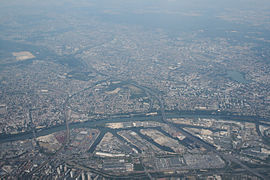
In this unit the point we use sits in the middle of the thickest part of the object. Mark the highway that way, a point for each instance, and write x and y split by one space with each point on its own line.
51 158
209 147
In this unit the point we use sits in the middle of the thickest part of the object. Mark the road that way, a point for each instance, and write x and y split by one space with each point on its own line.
227 157
51 158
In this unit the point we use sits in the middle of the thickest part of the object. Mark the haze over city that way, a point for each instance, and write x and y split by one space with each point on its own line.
145 89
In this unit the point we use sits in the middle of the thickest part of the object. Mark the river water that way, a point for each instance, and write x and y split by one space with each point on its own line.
102 122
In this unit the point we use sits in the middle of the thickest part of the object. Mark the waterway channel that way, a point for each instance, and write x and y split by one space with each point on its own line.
102 122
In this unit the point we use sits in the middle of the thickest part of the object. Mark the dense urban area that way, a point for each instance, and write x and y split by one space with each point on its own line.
95 91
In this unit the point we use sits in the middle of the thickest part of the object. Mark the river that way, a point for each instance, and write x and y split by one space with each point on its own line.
102 122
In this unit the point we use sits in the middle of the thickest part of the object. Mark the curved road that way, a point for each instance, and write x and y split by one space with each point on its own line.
227 157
